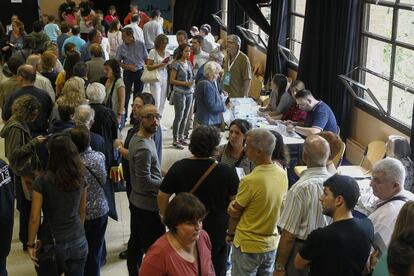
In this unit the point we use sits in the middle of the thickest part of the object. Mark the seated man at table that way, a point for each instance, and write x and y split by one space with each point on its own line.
320 116
388 185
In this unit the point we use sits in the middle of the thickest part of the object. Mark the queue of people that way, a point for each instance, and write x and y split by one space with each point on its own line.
227 207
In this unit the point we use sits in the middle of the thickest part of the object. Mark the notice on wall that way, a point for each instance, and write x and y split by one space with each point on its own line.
16 1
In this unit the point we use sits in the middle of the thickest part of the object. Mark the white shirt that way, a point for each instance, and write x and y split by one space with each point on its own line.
151 30
138 33
199 60
302 211
155 56
209 43
105 47
384 217
115 39
44 83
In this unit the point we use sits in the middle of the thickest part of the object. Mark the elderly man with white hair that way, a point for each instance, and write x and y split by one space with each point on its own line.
237 69
209 103
105 122
388 185
255 211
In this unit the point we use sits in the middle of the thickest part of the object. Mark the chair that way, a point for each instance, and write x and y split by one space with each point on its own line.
337 160
374 152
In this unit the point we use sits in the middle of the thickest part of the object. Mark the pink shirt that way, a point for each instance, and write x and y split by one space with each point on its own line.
162 259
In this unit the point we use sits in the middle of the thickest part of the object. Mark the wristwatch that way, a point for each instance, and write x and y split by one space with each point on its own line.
279 267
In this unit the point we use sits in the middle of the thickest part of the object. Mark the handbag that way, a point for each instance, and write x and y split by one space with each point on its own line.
109 101
203 177
150 76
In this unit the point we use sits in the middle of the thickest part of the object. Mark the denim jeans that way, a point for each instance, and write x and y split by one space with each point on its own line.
182 104
95 235
146 228
132 79
76 252
3 271
251 264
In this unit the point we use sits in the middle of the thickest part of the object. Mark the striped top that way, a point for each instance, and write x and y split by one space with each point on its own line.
302 211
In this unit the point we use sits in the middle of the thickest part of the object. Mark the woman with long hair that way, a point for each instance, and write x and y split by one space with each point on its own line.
115 90
280 100
232 153
181 77
61 194
114 37
15 39
71 59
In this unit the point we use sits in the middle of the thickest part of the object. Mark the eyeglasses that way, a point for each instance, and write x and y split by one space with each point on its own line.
152 116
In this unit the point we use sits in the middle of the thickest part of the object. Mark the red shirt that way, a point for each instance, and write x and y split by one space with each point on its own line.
294 113
142 16
161 259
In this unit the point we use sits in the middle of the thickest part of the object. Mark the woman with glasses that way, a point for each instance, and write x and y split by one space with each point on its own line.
182 79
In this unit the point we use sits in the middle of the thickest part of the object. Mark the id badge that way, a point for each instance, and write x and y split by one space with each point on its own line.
227 78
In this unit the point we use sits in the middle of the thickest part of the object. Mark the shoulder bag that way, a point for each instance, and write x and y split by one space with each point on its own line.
203 177
150 76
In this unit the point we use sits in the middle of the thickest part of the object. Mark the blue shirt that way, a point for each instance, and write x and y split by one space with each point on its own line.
322 117
135 53
52 30
79 42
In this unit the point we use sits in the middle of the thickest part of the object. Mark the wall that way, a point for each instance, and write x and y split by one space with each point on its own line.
51 6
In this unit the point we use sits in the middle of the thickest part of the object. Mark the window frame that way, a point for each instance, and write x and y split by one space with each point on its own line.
290 41
253 37
365 35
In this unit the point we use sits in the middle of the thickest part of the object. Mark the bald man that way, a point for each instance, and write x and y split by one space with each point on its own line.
41 81
146 225
302 212
26 77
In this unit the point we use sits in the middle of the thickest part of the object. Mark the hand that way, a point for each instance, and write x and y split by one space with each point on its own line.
5 48
32 255
290 128
229 239
118 143
41 139
373 258
233 212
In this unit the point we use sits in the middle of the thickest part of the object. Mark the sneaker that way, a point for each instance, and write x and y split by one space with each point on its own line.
177 145
184 142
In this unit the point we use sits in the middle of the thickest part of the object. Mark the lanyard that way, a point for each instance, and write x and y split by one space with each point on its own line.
231 64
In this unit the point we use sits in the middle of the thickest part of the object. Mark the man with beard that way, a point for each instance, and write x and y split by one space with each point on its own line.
145 172
343 247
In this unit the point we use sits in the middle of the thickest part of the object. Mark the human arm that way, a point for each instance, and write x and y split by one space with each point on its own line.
301 263
34 222
151 66
142 163
235 212
174 81
121 101
246 87
283 251
162 200
307 131
82 206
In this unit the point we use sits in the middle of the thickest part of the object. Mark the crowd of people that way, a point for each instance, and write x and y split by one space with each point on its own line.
64 102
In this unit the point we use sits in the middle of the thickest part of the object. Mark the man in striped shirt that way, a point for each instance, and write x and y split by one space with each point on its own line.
302 212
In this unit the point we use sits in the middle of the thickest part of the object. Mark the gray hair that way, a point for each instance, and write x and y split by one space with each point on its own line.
262 140
392 168
317 151
95 92
210 69
234 38
84 115
217 56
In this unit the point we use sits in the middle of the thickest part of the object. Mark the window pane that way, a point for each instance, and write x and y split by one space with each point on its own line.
300 6
266 12
407 2
380 20
378 56
378 87
402 105
298 32
406 26
404 66
296 49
